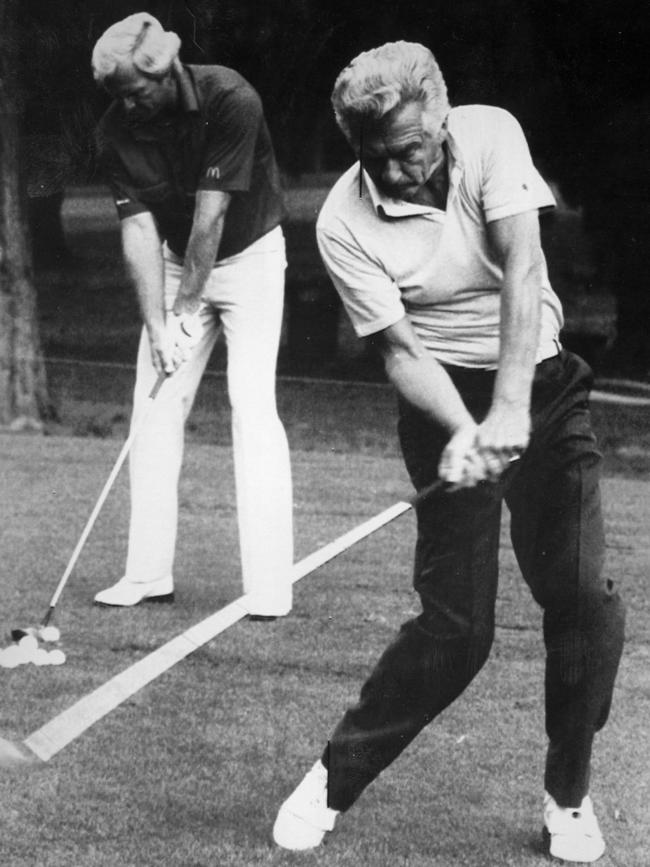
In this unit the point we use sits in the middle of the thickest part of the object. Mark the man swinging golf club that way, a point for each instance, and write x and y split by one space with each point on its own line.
432 240
187 153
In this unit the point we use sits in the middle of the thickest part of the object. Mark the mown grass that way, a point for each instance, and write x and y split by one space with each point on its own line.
191 770
319 415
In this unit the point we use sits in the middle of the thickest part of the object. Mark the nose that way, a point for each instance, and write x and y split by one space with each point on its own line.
391 173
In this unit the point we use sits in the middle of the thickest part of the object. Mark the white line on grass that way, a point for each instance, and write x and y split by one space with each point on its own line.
60 731
72 722
598 396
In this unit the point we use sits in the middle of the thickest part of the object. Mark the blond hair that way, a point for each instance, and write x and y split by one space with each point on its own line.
139 41
384 78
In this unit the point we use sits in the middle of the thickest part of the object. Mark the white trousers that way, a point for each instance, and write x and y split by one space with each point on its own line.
243 297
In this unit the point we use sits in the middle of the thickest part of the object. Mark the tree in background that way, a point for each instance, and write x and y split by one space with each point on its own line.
597 139
23 387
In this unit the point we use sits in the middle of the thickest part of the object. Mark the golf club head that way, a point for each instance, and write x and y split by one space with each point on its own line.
14 755
17 634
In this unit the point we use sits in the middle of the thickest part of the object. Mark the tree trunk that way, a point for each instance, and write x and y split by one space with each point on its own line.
23 387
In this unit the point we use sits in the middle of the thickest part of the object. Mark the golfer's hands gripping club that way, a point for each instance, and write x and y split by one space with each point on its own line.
502 438
173 344
185 333
479 453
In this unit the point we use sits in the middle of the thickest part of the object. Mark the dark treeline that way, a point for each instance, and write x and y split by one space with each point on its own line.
566 68
572 71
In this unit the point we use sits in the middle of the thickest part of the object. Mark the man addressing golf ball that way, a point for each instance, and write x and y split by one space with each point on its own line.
432 240
188 156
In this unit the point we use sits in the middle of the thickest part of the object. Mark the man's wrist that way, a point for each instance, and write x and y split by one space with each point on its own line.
186 303
458 423
155 328
512 403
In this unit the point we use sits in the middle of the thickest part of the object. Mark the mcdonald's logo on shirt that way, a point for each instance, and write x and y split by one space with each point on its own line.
214 173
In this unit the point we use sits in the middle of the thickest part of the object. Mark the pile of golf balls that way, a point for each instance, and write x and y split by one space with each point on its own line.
28 649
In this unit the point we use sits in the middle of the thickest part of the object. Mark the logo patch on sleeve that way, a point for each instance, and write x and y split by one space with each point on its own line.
214 173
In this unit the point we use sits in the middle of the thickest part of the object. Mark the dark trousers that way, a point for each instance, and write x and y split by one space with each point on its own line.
557 534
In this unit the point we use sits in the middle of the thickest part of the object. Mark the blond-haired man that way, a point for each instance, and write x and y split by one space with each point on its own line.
187 153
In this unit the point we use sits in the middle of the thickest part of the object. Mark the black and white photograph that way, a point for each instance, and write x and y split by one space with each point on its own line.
324 433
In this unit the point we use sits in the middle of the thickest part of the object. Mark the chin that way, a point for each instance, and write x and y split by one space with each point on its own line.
395 193
408 194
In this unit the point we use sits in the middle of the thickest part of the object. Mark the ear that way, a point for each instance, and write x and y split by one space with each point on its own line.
443 132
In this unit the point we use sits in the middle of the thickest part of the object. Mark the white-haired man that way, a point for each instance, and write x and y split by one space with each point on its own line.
187 153
432 240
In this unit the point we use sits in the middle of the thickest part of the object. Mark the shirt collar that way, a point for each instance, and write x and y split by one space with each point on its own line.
186 89
456 167
389 207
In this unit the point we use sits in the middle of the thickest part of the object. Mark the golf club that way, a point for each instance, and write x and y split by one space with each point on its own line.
42 630
52 737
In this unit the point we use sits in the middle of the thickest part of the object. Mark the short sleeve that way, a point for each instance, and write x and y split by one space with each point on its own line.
371 298
233 123
510 182
124 193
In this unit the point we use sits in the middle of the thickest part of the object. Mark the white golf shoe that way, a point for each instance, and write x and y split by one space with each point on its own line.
572 832
127 593
304 818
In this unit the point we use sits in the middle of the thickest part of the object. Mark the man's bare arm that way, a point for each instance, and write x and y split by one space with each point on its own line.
424 383
144 263
506 429
202 248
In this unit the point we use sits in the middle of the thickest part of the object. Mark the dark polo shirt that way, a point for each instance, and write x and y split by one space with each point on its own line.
219 140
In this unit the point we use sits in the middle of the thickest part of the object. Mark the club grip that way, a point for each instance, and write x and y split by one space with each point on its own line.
424 493
162 376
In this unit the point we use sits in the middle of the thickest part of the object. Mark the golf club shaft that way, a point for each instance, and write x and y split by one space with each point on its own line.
69 724
52 737
135 427
342 543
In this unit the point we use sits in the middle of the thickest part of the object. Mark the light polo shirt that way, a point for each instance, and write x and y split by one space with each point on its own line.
218 140
388 258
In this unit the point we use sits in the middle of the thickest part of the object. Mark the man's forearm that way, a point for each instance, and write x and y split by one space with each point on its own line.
144 263
519 338
516 241
202 248
200 257
425 384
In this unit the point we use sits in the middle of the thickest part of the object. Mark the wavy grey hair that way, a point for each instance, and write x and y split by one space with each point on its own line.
138 41
383 78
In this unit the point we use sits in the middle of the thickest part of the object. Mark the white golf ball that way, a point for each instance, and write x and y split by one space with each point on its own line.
25 654
50 633
28 643
41 657
12 656
57 657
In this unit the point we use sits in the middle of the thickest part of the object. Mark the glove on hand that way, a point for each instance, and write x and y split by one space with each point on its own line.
184 334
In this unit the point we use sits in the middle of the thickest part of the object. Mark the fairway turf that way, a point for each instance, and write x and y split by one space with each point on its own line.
191 771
